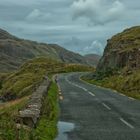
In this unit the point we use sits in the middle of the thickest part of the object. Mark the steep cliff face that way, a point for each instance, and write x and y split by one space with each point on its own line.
15 51
119 68
122 51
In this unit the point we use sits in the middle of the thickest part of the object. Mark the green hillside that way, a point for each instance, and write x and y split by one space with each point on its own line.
26 79
15 51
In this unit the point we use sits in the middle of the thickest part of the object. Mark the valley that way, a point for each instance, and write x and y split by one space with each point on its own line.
74 95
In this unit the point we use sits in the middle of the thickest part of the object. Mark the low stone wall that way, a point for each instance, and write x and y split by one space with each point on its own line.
30 115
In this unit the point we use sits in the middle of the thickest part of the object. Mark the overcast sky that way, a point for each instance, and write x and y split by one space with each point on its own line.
79 25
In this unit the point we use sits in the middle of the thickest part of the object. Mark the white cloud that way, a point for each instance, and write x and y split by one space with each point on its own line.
98 11
36 14
96 47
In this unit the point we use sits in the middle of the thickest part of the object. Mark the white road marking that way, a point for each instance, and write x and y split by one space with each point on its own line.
126 96
76 85
115 91
122 94
85 81
61 97
84 89
69 82
59 89
126 123
106 106
131 98
92 94
104 88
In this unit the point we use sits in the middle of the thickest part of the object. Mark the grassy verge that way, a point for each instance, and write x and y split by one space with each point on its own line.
47 126
126 84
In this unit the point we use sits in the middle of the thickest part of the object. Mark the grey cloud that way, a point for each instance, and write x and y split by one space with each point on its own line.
98 11
51 21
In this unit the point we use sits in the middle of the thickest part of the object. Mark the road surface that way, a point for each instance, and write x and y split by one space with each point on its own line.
97 113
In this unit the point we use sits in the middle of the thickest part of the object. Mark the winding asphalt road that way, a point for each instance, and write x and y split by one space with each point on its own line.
98 113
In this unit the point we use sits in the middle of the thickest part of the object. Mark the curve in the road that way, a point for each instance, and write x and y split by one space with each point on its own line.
98 113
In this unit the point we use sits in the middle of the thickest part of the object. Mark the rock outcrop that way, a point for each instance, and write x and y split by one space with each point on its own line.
122 51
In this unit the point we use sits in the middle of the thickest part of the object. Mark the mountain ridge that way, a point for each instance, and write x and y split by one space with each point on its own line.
15 51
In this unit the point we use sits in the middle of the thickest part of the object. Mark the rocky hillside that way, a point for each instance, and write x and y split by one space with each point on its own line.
92 59
119 68
15 51
122 51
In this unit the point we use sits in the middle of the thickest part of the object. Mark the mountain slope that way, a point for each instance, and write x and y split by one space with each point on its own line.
119 68
15 51
92 59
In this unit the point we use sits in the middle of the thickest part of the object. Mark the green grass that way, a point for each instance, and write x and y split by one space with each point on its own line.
130 38
47 126
8 116
78 68
27 78
21 84
126 84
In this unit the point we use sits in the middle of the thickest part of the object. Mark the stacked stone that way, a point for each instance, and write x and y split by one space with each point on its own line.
31 113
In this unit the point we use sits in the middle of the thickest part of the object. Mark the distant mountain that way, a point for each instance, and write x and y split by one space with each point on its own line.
14 51
92 59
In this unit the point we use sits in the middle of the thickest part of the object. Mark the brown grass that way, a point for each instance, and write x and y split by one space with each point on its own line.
13 103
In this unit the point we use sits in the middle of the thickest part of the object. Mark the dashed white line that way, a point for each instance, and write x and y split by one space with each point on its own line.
126 123
92 94
84 89
105 88
122 94
131 98
106 106
76 85
85 81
